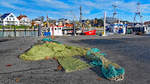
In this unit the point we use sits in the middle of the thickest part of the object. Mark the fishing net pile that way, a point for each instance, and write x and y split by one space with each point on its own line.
71 64
63 53
110 70
39 52
65 56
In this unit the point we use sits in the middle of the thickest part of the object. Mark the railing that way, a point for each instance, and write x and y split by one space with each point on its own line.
19 32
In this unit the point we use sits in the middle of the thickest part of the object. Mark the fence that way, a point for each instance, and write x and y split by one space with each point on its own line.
20 32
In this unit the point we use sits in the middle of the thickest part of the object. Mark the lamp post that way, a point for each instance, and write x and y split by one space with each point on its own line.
104 34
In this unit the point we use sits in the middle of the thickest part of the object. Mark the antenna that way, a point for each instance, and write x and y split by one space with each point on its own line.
138 13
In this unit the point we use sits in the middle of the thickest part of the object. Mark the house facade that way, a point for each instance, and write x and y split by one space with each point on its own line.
9 19
24 20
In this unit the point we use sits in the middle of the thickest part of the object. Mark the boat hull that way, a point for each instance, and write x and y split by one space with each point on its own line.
92 32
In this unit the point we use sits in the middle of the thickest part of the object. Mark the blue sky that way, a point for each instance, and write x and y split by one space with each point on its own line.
62 8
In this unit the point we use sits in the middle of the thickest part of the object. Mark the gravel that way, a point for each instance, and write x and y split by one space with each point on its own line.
131 52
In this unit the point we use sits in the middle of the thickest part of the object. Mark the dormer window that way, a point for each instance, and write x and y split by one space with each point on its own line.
11 16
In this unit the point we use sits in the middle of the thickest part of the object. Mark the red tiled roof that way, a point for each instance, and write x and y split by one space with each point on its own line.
21 16
148 22
69 25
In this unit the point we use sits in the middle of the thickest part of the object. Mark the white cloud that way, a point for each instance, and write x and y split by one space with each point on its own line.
52 3
91 8
7 5
22 9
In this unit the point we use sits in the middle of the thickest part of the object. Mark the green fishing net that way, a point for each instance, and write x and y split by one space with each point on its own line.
71 64
109 69
39 52
47 39
64 54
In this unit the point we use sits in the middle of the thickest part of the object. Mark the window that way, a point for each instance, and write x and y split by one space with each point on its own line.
11 16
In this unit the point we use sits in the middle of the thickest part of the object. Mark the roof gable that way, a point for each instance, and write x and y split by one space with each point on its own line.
21 16
5 15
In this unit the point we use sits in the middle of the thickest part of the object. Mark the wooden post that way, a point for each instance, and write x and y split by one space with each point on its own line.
25 31
53 31
34 31
39 30
74 29
3 31
14 30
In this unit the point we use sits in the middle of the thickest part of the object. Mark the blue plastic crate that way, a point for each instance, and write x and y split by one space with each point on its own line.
47 33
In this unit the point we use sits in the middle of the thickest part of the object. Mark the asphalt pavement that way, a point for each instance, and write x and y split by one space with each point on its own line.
131 52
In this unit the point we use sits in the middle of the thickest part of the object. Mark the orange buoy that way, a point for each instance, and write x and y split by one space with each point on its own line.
17 79
59 67
99 78
47 58
46 42
54 58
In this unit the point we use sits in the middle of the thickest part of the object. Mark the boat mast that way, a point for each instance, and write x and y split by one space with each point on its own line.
80 20
115 12
138 13
74 23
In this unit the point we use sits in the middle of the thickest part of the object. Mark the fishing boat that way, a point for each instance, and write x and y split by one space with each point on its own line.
92 32
116 28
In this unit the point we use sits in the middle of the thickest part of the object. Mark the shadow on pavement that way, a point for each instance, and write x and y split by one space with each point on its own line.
4 40
97 41
95 69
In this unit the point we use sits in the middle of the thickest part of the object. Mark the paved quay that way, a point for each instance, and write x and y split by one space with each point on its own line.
131 52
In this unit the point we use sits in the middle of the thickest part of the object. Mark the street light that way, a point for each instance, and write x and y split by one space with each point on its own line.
104 24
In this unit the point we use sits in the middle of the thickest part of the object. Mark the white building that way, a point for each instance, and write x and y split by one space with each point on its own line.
56 30
24 20
9 19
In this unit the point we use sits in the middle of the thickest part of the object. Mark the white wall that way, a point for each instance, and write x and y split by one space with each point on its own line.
25 21
58 31
11 19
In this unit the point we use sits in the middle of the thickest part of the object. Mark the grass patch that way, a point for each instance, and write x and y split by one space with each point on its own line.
17 27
